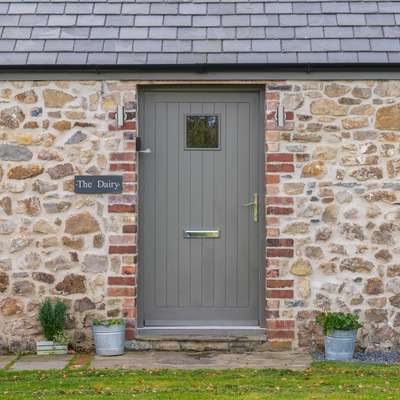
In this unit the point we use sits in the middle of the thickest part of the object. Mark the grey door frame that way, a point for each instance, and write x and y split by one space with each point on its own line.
260 89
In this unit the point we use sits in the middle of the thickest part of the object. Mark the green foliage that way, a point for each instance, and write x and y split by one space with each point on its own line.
52 318
62 338
338 321
108 322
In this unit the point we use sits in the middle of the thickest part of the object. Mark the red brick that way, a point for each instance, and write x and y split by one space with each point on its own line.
280 157
130 125
272 190
128 188
129 313
279 210
128 270
122 239
272 95
280 168
126 156
279 242
129 323
272 179
121 249
123 167
272 221
273 273
129 177
284 201
121 281
272 314
272 304
271 115
280 253
272 136
120 291
279 283
121 199
280 324
130 334
273 232
280 294
129 145
280 334
121 208
129 229
289 115
280 345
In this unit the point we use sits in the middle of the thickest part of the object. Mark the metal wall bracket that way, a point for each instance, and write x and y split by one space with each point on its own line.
120 116
280 116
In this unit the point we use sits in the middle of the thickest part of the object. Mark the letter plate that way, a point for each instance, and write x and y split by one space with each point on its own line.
201 234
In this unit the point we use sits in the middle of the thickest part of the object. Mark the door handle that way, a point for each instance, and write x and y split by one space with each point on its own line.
145 151
254 205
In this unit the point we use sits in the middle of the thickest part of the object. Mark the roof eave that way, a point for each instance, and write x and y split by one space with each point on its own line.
204 68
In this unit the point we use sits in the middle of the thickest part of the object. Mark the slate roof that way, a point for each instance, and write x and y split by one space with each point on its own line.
137 32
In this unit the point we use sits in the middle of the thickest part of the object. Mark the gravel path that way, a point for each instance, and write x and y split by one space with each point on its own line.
369 357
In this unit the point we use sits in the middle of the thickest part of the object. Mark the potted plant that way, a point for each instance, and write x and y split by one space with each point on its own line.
340 330
109 336
52 319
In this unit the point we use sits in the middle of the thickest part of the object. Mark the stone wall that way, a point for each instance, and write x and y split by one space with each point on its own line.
332 176
54 243
332 223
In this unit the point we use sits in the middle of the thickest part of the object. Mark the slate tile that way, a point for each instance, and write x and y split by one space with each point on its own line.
134 33
192 33
132 58
325 44
163 32
16 33
12 58
42 58
75 33
192 58
59 45
27 45
61 20
207 46
236 45
102 58
71 58
161 58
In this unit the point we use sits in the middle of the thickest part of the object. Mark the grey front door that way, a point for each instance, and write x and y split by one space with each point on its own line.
200 244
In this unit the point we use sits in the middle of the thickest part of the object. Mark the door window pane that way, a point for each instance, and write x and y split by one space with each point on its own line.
202 132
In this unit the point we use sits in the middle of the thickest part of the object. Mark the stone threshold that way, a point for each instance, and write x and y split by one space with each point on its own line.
223 333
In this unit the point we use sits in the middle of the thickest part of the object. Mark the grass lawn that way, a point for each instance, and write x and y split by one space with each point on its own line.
322 381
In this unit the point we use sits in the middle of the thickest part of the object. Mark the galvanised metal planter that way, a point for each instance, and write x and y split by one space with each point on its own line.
109 340
45 347
339 345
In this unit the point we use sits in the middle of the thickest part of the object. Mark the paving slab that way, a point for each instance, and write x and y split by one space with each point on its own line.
34 362
5 360
295 361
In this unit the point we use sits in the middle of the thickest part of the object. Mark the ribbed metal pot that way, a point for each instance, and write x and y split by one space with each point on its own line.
339 345
109 340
